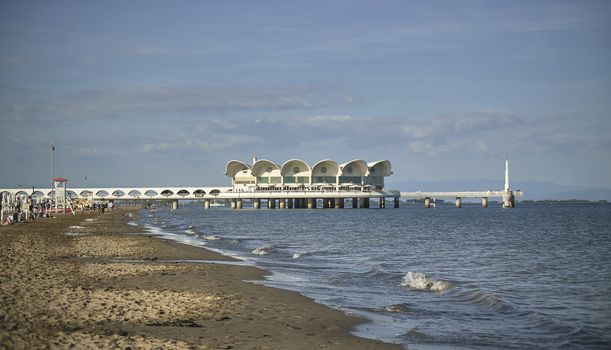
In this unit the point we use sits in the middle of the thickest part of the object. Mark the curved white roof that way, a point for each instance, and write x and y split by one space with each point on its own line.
235 166
262 166
295 167
299 167
326 167
380 168
356 167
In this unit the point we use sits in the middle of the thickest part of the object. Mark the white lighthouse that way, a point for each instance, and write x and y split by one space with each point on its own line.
508 197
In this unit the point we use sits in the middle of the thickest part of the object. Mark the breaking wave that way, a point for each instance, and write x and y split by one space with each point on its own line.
262 250
301 255
211 237
420 281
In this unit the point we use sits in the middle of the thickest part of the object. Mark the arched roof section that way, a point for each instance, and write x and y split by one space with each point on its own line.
356 167
235 166
326 167
380 168
264 166
183 193
295 167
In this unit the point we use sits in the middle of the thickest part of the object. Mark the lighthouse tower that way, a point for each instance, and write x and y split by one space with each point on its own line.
508 197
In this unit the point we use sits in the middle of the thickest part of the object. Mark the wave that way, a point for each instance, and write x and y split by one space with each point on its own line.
210 237
486 298
262 250
301 255
420 281
132 223
190 231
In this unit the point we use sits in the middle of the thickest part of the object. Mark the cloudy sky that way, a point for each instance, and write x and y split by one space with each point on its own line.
166 92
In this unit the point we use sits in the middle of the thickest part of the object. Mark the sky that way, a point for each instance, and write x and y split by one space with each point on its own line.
156 93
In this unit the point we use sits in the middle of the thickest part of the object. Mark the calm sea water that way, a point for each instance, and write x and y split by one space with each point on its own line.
532 277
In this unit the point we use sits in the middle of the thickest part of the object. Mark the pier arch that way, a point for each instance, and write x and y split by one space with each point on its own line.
102 193
167 193
134 193
151 193
183 193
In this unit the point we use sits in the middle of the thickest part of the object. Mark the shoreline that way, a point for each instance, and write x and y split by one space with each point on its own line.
89 281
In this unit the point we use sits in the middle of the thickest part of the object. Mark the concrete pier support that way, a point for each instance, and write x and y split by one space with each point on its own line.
485 202
311 203
509 200
270 203
382 203
303 203
364 203
355 203
396 200
458 202
282 203
174 204
233 203
256 203
238 203
206 204
427 202
339 203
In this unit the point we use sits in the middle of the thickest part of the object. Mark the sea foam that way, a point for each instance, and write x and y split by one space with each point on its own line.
418 280
262 250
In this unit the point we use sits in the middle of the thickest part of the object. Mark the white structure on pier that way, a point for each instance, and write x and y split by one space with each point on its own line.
296 174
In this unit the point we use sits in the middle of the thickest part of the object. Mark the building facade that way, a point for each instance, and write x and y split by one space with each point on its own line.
296 174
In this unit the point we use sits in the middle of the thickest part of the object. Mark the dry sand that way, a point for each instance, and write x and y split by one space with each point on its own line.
91 281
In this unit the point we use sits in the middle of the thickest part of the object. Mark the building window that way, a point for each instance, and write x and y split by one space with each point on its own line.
323 169
262 180
275 179
296 169
289 180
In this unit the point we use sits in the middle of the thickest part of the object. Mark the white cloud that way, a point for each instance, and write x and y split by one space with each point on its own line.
159 101
210 142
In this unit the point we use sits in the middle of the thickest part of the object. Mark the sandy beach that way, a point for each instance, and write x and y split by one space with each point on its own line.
92 281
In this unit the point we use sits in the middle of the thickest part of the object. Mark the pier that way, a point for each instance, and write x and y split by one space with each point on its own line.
294 185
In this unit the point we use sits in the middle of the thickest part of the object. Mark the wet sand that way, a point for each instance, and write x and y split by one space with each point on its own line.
92 281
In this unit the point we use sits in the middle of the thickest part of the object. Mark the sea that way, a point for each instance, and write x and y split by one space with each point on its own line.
537 276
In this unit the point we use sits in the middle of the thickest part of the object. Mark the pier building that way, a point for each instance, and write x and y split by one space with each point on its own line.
296 174
290 185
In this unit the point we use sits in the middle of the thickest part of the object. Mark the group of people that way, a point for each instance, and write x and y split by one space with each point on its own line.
25 209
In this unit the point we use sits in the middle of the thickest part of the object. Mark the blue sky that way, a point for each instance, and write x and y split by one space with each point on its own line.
166 92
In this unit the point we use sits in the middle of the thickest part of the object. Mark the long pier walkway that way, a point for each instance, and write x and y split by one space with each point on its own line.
273 198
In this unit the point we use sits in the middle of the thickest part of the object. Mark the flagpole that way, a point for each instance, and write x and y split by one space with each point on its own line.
53 174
